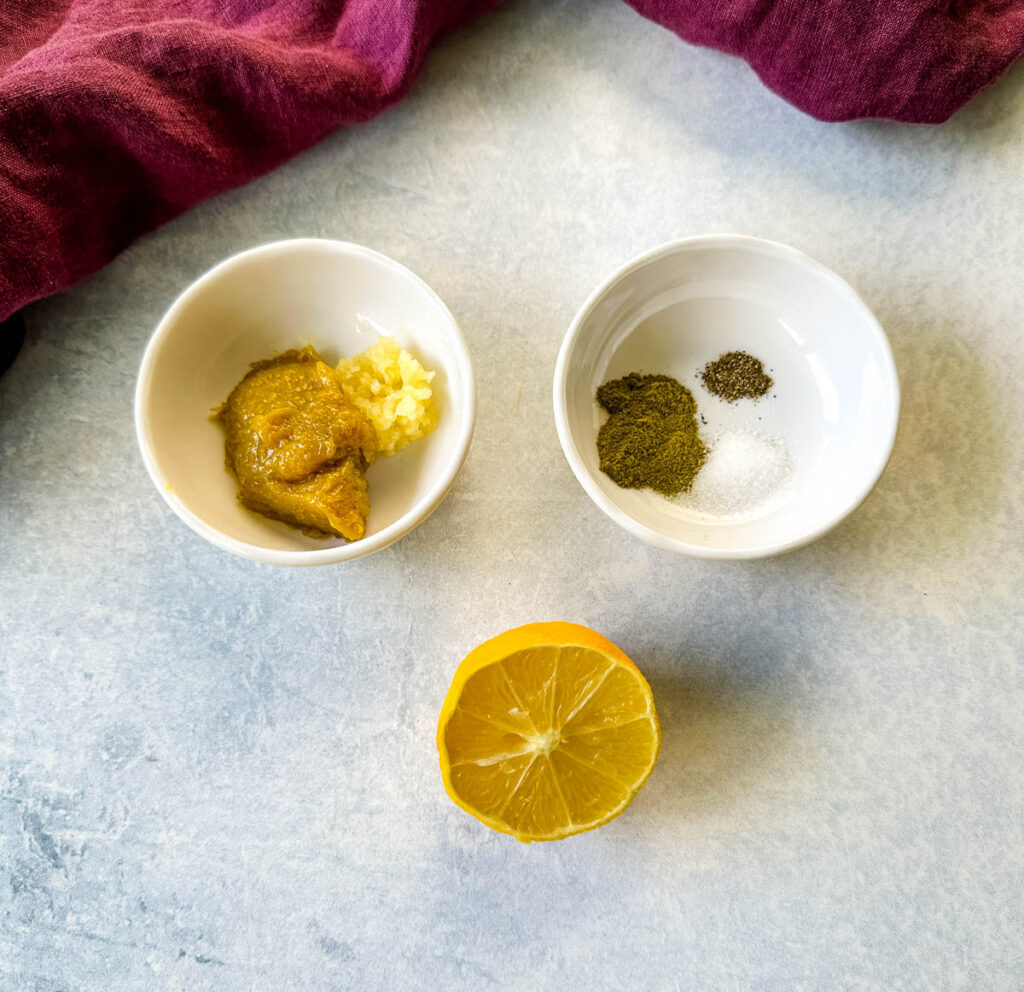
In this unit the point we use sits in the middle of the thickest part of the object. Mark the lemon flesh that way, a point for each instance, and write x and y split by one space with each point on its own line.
548 740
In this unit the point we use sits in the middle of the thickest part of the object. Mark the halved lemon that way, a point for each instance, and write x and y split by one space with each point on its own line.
547 730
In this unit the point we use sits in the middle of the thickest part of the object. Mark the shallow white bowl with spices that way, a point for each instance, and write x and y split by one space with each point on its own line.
337 297
833 406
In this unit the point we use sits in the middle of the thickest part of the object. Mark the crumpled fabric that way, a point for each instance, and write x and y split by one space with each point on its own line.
117 115
915 61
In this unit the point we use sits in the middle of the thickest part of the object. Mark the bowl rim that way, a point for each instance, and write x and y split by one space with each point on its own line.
742 242
411 519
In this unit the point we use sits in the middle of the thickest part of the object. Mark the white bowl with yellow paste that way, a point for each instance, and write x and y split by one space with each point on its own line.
339 298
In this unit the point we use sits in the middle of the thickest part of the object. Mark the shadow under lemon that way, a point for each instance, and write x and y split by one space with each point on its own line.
726 728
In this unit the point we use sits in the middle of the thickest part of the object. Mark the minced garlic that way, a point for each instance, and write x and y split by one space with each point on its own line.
393 390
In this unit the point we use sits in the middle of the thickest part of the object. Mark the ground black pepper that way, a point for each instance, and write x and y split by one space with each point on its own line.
735 376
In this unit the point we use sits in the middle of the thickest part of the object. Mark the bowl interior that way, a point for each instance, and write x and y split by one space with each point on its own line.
834 402
336 297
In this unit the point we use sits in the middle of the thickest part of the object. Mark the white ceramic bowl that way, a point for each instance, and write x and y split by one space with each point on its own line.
330 294
835 401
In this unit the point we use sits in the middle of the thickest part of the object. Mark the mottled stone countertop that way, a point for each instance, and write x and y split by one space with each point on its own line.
217 775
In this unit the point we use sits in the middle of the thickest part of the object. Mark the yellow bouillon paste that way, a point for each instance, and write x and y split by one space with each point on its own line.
300 434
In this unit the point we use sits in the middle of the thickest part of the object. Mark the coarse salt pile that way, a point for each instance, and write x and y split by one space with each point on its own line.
743 471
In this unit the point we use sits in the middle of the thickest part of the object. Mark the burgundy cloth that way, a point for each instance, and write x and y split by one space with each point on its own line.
117 115
908 60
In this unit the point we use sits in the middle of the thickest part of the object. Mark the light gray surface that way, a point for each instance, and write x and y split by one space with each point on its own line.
218 775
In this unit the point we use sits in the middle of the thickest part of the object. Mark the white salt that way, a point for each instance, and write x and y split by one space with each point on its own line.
742 472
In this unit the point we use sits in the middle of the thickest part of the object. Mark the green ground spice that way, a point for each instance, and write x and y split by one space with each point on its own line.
651 440
736 376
